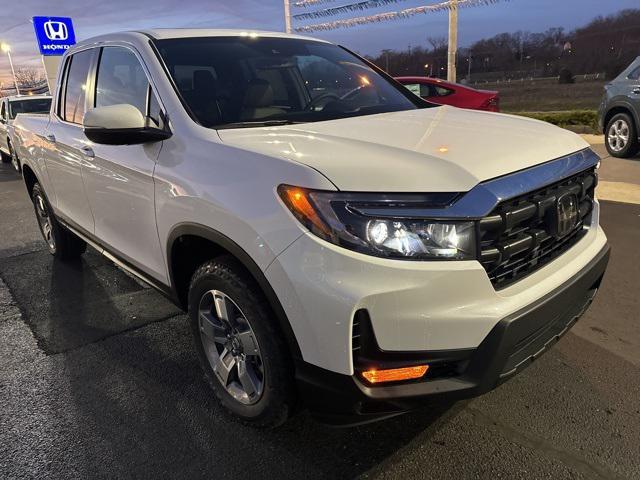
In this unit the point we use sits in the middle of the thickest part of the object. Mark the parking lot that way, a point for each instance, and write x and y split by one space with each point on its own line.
98 378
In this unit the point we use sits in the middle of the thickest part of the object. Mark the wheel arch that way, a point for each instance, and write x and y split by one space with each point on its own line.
620 108
29 177
202 243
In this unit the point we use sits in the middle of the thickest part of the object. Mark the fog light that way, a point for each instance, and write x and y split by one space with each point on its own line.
394 374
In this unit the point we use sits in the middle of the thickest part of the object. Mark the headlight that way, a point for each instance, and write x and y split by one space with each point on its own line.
346 219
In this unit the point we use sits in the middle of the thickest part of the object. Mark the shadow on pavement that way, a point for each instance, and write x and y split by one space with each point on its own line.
134 401
8 173
68 305
143 401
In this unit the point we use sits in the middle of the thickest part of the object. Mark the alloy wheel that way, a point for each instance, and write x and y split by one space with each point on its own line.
618 135
44 220
14 160
231 347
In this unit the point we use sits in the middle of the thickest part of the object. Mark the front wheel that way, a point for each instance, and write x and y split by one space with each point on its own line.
621 136
240 347
61 243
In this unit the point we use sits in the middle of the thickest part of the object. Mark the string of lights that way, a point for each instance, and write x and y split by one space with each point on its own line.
380 17
309 3
327 12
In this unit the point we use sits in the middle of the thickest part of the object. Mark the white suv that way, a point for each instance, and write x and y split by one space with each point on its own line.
10 108
338 241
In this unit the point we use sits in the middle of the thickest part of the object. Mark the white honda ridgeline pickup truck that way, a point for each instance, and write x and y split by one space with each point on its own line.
338 242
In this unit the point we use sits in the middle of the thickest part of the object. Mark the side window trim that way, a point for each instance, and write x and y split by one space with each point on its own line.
61 98
62 90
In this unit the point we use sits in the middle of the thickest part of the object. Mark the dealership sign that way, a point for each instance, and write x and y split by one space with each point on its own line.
55 34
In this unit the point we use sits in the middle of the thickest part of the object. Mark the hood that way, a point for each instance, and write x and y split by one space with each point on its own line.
442 149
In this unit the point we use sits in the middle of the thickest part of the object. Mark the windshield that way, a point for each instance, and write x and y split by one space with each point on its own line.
231 82
36 105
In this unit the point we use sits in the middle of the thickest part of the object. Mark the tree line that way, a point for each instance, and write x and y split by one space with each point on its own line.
605 45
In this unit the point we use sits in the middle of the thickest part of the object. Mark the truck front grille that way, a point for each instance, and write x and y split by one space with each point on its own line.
524 233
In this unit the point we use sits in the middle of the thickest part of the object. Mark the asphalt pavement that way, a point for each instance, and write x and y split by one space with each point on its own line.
98 379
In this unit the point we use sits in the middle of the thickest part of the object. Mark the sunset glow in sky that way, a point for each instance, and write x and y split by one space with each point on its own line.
92 17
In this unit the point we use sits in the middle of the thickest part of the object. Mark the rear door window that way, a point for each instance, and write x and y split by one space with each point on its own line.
76 88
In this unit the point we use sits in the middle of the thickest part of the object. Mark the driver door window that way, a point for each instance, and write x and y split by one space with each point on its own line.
121 79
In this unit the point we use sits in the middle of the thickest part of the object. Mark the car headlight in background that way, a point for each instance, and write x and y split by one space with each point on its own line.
340 218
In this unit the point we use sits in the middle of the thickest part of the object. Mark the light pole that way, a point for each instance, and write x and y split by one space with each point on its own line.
453 41
287 16
7 49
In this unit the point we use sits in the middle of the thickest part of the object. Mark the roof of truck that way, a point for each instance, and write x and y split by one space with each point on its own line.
168 33
164 33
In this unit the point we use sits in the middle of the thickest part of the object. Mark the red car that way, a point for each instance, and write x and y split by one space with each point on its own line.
445 93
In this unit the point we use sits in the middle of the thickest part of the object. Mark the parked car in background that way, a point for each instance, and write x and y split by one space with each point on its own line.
619 113
446 93
10 107
338 241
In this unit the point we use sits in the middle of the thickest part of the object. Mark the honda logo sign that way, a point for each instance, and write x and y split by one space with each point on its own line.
55 34
56 30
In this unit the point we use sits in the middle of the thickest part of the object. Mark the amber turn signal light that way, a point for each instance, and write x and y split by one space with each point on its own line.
298 202
394 374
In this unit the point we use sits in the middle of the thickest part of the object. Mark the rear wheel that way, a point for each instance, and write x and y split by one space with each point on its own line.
241 350
621 136
14 157
61 243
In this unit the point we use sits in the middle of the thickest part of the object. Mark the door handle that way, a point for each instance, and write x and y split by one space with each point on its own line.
88 151
50 137
636 90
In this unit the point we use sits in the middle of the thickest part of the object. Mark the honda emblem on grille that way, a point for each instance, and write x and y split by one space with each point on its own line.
566 214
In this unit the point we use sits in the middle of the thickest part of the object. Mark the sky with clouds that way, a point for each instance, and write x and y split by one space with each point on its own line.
92 17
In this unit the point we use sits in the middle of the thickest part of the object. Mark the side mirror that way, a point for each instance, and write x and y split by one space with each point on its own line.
120 125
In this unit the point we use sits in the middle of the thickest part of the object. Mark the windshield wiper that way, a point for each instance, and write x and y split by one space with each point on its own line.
257 123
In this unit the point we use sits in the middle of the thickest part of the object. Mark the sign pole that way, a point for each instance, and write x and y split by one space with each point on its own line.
51 64
453 41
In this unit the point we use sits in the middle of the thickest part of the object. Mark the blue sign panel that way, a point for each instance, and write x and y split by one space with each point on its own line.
55 34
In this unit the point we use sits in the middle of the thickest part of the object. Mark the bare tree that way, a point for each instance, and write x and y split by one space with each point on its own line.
29 77
437 43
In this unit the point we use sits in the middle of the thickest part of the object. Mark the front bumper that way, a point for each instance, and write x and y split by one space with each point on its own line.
510 346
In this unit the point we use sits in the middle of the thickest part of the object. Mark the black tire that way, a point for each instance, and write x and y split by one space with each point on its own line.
621 122
4 157
278 398
61 243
